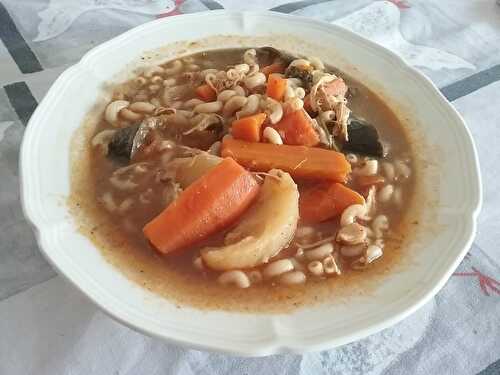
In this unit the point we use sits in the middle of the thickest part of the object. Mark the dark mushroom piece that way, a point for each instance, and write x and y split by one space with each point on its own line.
122 142
302 73
273 55
363 139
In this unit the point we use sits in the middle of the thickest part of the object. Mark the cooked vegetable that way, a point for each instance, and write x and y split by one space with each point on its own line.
302 73
206 93
248 128
296 128
325 201
211 203
364 181
122 142
277 67
276 87
337 87
274 55
299 161
363 139
266 228
188 170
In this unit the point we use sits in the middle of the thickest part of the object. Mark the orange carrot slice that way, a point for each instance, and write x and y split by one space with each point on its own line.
273 68
248 128
325 201
296 128
210 204
299 161
276 87
206 93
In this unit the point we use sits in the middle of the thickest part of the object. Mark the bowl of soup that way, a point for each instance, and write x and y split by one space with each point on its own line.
250 182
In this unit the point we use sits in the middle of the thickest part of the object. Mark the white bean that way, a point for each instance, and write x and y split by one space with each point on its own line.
111 112
211 107
319 252
292 278
315 267
352 234
385 194
235 277
277 268
251 106
174 68
272 136
234 103
274 110
191 103
225 95
142 107
369 169
129 115
379 225
256 80
351 213
353 250
300 93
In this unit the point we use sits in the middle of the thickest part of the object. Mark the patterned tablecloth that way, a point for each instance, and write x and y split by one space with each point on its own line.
48 327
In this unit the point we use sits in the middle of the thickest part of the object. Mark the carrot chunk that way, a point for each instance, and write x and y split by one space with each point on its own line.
206 93
273 68
211 203
325 201
248 128
276 87
296 129
299 161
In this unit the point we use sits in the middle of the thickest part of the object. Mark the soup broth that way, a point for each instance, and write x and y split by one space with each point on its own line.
173 125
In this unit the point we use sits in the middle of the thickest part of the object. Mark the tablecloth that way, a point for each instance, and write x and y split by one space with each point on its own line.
48 327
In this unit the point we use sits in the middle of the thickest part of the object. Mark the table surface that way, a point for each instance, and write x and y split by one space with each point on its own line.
48 327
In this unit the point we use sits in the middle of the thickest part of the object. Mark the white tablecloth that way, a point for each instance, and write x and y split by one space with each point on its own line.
48 327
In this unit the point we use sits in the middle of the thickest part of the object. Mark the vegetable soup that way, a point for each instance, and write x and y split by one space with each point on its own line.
249 169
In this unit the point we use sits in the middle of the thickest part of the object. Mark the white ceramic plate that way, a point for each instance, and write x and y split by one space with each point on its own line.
452 179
